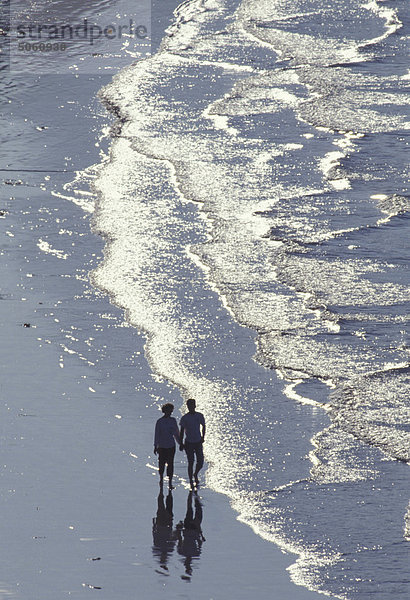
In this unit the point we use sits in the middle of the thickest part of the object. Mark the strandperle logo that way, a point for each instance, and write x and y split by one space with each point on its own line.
45 37
83 31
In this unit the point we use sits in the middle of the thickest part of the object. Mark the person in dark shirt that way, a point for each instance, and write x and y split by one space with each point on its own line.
191 424
166 432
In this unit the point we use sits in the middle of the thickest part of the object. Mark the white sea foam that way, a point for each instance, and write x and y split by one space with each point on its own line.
48 249
83 203
390 17
216 214
329 164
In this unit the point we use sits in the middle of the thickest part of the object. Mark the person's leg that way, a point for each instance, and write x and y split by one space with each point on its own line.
161 463
190 458
199 459
169 503
170 467
189 512
198 512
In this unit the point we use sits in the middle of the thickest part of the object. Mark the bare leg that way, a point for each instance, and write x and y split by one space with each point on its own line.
190 472
161 466
170 468
199 462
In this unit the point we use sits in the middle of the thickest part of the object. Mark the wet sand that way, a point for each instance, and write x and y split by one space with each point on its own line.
77 497
79 489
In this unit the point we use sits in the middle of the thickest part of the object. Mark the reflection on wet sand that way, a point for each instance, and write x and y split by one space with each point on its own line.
190 536
163 533
187 536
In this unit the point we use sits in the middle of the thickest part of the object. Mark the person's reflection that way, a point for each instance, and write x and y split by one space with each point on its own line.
164 536
190 536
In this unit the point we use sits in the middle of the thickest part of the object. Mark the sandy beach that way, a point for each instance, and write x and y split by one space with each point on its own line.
227 232
79 489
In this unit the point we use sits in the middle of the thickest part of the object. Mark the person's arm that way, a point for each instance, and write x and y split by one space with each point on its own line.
203 430
176 433
181 438
156 437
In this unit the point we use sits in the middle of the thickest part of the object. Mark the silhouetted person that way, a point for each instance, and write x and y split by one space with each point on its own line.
191 424
190 536
166 432
164 536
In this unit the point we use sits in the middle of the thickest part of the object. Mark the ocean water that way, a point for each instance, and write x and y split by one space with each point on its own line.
255 210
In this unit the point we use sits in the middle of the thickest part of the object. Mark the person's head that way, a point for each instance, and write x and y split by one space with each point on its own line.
167 409
191 405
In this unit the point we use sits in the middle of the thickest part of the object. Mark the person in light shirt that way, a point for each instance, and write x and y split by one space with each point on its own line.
191 425
166 432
